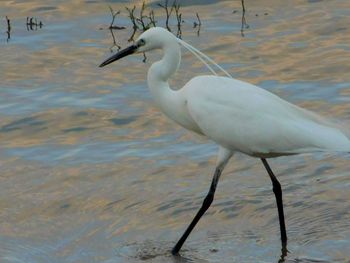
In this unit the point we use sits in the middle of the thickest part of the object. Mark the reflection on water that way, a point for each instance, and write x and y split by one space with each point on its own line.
92 172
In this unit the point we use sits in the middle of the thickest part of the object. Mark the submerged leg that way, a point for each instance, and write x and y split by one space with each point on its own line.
224 156
276 187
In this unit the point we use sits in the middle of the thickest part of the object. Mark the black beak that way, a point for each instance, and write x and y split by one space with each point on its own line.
123 53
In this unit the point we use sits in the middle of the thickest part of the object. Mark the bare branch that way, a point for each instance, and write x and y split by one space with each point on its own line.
114 15
33 24
151 18
132 17
195 24
244 24
114 42
176 7
167 12
8 32
131 38
140 19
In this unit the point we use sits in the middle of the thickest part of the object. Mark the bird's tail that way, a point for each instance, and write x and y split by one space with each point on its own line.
326 134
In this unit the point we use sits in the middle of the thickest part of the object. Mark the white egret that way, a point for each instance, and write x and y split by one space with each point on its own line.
238 116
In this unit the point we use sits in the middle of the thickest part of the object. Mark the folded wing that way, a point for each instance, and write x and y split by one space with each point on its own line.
246 118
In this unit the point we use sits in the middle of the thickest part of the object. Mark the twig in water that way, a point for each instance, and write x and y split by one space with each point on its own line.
167 12
8 29
114 42
244 22
178 17
28 23
32 24
132 17
114 15
195 24
133 21
8 24
131 38
151 18
141 21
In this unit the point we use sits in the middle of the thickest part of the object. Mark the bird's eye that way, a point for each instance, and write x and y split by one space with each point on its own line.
142 42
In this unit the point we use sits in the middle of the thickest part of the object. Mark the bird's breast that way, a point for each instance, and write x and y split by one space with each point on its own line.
177 111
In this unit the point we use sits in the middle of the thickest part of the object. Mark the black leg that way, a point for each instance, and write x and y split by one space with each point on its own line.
206 203
276 186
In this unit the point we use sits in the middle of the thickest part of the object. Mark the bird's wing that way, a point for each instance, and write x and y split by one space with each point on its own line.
246 118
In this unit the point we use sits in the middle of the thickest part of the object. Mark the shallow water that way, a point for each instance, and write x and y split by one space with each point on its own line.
91 171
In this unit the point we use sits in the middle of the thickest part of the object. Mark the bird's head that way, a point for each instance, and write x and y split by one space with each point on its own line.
153 38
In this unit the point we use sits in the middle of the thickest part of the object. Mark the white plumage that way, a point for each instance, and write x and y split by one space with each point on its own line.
238 116
242 117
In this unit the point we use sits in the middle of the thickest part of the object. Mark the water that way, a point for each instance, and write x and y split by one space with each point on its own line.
91 171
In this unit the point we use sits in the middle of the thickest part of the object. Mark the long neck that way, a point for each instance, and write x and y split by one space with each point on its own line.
161 71
171 102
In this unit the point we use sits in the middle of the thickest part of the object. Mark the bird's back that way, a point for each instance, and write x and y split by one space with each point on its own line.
243 117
